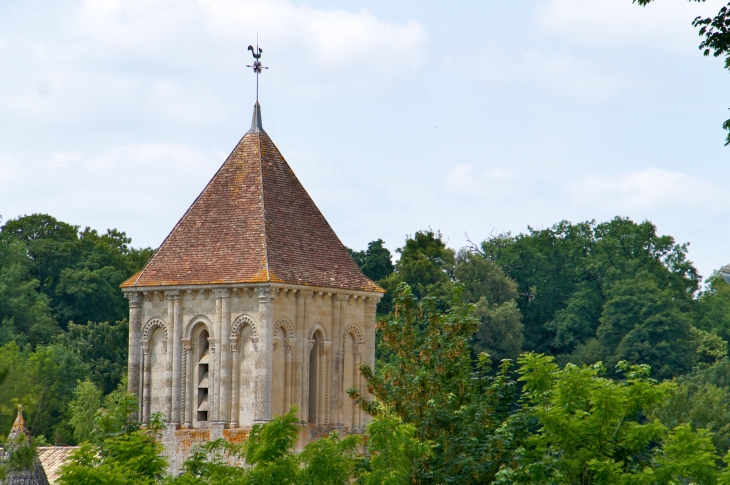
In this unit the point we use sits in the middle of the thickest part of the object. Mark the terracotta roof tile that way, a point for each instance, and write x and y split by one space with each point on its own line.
253 222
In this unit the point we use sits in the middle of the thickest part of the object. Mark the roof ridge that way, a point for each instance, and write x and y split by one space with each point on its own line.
263 206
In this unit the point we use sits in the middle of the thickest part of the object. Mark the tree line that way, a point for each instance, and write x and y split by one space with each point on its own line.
580 353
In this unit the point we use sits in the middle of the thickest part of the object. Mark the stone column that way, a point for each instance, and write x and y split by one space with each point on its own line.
134 364
357 383
324 383
303 370
235 362
338 309
212 378
169 351
146 383
288 384
224 381
176 358
264 359
367 350
214 405
188 385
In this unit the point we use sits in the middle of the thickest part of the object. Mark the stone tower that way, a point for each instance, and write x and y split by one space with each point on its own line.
251 305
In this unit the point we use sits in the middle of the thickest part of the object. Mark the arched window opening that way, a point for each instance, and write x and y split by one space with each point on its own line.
203 357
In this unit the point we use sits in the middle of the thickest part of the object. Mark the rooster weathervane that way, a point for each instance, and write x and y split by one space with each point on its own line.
257 67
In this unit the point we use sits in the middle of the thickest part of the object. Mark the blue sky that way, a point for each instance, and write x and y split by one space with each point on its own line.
474 116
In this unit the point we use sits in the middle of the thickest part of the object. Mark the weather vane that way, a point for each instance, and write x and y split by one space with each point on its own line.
257 67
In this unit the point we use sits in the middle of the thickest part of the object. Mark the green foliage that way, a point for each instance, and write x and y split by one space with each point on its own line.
43 381
269 458
395 452
268 452
426 265
593 430
135 457
376 261
79 272
701 399
643 324
83 409
574 278
103 346
434 384
712 310
500 332
121 452
25 315
329 461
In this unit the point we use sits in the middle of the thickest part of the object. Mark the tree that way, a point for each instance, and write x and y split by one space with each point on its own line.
43 382
712 311
103 346
425 264
593 430
78 271
433 383
25 315
484 283
566 274
643 324
83 409
395 452
376 261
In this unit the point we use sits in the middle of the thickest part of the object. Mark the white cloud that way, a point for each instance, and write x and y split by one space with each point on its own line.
466 180
567 75
651 189
172 32
664 24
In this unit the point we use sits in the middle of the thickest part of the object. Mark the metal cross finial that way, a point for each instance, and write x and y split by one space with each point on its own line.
257 67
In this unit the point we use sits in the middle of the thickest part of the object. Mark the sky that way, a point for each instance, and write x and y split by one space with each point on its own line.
468 117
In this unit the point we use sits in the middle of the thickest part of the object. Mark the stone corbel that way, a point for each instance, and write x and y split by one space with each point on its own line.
372 304
266 294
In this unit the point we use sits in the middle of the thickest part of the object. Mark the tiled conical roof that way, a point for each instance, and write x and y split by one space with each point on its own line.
20 436
253 223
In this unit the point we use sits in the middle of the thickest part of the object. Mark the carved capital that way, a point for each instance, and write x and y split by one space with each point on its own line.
326 347
311 344
173 294
266 294
135 299
234 345
289 344
187 345
211 343
342 298
276 342
222 293
146 347
255 343
306 294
